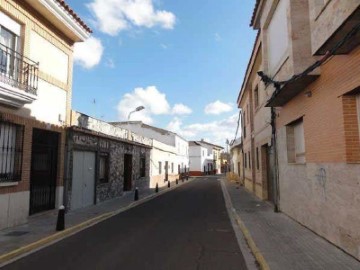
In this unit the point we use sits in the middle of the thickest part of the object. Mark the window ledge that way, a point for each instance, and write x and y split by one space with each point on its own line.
9 184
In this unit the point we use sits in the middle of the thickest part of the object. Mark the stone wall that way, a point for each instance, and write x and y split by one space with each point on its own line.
116 149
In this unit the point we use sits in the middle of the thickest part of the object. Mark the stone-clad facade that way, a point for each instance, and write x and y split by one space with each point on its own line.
100 144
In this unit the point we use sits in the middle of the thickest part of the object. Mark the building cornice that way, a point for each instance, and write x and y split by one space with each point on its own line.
73 24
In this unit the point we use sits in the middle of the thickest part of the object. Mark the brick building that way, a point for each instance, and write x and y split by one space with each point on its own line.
36 60
310 123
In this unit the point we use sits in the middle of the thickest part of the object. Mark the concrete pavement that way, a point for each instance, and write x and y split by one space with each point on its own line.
280 242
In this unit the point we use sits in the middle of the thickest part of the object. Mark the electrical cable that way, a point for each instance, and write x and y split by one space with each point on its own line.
277 84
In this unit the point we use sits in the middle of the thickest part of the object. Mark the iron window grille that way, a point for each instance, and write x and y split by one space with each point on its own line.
11 151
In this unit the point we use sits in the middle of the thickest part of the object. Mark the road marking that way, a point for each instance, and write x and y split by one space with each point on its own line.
23 251
254 249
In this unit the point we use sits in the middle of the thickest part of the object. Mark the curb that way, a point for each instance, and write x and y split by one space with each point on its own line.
51 239
254 249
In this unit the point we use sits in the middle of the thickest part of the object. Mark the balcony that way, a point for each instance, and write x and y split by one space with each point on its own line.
18 78
350 24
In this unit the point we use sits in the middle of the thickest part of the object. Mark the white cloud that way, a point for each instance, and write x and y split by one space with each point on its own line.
218 107
88 53
216 132
181 109
151 98
113 16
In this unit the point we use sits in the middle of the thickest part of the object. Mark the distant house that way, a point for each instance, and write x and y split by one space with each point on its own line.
204 158
169 155
36 61
237 165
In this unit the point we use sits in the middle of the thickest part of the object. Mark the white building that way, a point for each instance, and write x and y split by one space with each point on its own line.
169 155
204 158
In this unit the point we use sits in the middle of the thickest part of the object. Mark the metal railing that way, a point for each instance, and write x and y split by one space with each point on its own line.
18 71
11 150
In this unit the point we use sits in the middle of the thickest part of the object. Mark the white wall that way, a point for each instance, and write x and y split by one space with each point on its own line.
150 133
163 152
199 157
52 60
14 208
50 104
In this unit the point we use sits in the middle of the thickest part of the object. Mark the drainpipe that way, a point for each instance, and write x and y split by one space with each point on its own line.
276 164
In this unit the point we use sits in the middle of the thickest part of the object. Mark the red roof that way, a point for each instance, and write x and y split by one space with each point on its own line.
74 15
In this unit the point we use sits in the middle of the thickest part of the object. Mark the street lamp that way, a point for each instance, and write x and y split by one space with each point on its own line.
136 110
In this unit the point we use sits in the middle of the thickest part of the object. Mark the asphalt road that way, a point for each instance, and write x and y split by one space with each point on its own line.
187 228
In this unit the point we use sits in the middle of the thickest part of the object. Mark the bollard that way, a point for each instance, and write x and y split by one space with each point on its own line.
157 188
168 184
177 181
136 197
60 225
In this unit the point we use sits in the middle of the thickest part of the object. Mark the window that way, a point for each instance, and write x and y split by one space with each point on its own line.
11 146
172 167
257 158
142 166
249 160
104 168
9 36
248 115
245 161
295 142
256 97
278 39
160 167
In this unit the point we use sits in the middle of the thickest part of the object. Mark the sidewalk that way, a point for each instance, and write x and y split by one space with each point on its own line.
282 242
40 229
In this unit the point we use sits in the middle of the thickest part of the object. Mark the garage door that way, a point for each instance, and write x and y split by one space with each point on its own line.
83 179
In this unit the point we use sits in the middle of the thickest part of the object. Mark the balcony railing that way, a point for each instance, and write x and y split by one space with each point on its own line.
18 71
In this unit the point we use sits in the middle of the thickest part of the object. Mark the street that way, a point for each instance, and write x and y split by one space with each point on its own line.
187 228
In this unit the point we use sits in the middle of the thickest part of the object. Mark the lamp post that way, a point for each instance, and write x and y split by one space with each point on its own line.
136 110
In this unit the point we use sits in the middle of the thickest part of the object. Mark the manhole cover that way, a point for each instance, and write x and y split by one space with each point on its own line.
16 233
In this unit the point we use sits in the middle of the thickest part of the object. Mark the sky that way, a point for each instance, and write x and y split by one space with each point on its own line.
184 61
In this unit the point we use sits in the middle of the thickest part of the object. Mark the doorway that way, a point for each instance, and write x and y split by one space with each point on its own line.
44 156
268 185
127 172
83 179
166 171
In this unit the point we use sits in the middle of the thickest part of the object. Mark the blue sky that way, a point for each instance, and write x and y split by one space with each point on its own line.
183 60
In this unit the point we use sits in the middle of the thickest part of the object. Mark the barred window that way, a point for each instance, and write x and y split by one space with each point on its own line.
11 148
